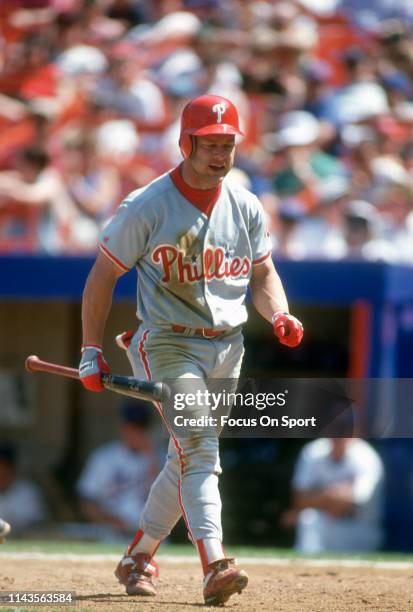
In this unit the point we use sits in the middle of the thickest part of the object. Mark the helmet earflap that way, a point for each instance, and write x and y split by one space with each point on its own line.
186 145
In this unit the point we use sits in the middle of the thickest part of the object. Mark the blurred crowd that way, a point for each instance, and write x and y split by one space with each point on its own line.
92 91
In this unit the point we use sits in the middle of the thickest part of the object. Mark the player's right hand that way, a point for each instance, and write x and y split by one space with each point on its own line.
91 367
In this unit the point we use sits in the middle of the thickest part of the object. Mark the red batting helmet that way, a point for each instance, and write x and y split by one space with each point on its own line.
207 115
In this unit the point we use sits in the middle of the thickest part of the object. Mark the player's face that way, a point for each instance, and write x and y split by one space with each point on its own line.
213 157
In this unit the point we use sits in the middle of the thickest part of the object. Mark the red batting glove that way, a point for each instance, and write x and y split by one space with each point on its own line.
287 328
91 367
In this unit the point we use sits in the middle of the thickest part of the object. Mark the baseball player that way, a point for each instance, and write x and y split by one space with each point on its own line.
198 243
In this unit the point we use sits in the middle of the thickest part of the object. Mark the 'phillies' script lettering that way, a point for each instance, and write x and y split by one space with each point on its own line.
215 265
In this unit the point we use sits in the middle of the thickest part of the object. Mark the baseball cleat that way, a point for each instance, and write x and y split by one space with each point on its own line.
223 580
135 573
4 530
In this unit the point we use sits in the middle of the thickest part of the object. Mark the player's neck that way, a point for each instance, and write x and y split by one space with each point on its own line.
195 180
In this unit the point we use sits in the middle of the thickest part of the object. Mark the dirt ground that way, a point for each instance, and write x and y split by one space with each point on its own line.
297 587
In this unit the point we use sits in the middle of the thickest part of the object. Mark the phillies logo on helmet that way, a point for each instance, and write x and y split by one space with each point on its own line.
219 109
213 264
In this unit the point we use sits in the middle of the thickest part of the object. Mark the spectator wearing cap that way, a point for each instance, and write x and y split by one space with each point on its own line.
362 100
322 230
393 198
361 232
21 501
290 213
360 147
125 88
115 481
305 164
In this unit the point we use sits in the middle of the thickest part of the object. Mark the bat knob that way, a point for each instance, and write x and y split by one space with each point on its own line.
30 361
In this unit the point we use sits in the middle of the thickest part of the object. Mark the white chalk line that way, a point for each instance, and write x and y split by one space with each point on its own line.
191 559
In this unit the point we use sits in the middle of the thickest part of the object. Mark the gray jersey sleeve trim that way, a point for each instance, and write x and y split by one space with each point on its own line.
260 260
112 258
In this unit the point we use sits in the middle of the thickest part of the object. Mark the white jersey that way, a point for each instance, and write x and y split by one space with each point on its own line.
118 480
361 467
193 269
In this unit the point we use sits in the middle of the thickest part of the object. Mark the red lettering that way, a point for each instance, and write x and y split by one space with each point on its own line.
165 254
236 267
219 257
246 267
187 269
215 265
208 261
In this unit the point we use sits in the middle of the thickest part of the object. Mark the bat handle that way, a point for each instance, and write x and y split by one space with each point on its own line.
136 388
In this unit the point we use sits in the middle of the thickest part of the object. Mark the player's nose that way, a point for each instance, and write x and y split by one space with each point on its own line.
220 154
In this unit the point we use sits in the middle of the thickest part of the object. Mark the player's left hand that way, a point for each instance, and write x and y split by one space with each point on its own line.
91 367
287 328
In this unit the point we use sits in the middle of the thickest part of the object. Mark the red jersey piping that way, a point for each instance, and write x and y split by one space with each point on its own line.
113 258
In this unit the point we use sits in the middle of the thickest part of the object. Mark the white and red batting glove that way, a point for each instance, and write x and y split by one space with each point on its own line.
287 328
91 367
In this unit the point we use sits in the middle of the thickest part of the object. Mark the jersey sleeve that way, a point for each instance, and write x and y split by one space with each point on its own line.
124 239
261 245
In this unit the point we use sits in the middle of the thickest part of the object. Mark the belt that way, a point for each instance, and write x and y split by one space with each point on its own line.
205 332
